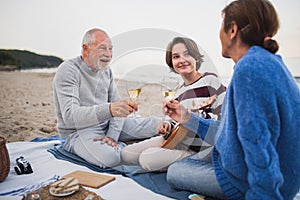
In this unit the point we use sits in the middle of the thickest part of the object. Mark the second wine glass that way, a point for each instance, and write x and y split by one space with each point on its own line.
169 86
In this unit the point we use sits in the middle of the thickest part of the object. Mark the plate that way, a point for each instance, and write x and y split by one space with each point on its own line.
60 194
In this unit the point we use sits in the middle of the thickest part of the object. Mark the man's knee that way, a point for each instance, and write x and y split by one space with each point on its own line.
105 156
109 158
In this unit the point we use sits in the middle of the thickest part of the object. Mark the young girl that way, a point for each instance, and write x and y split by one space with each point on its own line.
183 57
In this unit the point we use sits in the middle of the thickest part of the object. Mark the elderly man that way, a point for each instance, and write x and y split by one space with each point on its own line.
88 105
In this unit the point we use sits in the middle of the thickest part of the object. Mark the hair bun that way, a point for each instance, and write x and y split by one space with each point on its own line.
270 44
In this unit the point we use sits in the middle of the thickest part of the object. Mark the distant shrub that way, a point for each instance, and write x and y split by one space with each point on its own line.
27 59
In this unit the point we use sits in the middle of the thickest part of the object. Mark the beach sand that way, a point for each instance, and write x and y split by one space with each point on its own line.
27 108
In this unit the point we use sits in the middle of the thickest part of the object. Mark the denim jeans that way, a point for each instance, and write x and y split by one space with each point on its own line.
195 173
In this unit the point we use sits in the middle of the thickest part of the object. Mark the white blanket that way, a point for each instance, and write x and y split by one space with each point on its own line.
45 166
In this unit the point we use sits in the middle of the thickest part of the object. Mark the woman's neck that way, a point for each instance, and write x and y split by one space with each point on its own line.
191 78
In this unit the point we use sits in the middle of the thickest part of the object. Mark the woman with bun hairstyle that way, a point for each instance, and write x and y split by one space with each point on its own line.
256 143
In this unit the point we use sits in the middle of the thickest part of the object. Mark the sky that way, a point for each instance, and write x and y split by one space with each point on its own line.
140 29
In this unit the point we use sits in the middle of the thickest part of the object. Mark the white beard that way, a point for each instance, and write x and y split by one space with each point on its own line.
101 67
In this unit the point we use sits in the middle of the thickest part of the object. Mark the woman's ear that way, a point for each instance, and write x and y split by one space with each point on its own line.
234 30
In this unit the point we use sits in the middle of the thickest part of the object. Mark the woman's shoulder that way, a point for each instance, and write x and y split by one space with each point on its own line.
210 74
211 79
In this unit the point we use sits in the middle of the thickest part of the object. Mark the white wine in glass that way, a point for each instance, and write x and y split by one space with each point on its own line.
134 93
134 89
169 94
169 86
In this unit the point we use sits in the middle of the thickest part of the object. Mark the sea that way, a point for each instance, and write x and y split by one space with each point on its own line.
146 75
153 74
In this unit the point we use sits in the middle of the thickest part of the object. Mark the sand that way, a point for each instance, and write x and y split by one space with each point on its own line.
27 108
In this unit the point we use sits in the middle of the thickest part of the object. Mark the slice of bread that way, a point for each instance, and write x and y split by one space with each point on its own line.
65 185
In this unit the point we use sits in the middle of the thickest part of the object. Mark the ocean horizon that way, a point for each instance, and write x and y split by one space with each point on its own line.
143 75
152 73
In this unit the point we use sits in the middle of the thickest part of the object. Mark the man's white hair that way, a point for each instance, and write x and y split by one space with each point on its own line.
89 36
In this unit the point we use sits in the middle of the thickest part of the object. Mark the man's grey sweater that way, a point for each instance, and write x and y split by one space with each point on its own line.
82 98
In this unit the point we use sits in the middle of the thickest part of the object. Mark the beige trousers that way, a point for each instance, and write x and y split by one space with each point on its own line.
151 156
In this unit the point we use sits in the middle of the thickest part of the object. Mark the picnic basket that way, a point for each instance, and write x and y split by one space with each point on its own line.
4 159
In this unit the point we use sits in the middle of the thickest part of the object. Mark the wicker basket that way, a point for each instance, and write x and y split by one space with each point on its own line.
4 159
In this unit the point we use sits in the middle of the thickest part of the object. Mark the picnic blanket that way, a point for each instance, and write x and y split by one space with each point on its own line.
47 168
131 181
155 181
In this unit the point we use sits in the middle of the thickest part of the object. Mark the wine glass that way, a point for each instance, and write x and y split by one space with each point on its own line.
134 89
169 86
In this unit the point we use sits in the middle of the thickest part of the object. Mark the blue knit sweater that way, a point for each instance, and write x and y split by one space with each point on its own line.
257 142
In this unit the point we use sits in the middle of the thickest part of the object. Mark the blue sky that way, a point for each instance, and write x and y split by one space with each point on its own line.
56 27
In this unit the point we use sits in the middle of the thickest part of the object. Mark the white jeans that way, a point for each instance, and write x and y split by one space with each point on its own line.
150 155
81 142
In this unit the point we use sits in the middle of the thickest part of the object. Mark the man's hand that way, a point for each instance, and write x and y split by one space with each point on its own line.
108 140
122 108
